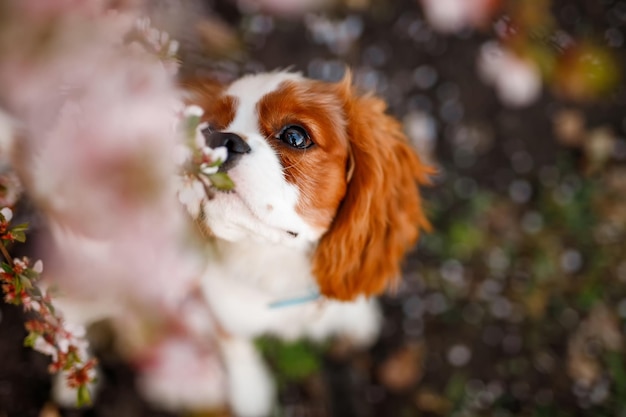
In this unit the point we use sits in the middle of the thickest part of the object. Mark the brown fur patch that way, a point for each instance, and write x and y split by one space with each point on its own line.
319 171
381 213
219 110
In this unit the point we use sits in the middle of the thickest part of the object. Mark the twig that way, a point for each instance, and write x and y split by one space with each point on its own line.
6 255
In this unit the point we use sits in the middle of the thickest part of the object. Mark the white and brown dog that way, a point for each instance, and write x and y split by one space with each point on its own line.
326 204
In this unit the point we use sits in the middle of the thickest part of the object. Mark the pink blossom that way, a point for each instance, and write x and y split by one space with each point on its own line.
101 122
455 15
48 9
181 374
517 81
199 162
20 265
29 304
284 7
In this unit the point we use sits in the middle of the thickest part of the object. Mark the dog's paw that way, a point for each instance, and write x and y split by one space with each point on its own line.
251 388
363 323
358 322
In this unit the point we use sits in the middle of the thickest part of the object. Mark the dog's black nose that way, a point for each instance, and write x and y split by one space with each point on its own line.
235 145
231 141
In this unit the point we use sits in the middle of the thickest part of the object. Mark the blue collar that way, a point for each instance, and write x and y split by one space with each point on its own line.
289 302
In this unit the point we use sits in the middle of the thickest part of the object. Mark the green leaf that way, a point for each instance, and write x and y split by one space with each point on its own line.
19 236
50 307
35 291
25 282
83 397
216 163
17 301
22 227
297 361
455 389
465 239
30 274
18 285
29 341
72 359
617 369
293 360
7 268
221 181
191 124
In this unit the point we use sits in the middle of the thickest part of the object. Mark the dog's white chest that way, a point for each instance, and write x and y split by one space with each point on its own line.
261 288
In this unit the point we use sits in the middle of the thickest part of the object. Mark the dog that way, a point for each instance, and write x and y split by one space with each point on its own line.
326 204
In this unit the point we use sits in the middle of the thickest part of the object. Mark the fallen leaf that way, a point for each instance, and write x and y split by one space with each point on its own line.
49 410
431 402
600 326
403 368
569 127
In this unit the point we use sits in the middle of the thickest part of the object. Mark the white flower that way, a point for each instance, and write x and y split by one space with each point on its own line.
27 302
30 304
453 15
7 213
517 81
207 169
193 110
76 330
44 347
38 266
191 194
446 15
172 48
215 154
215 157
73 335
20 263
62 343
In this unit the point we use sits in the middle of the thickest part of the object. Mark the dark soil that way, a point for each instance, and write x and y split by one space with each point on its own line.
504 376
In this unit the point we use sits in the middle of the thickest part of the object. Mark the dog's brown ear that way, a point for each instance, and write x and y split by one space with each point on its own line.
381 215
200 90
219 110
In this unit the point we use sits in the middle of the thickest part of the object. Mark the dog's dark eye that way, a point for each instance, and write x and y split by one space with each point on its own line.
295 136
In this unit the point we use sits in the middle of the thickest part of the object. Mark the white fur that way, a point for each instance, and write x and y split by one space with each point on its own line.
250 386
243 282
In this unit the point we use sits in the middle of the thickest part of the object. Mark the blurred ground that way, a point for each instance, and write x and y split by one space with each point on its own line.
516 304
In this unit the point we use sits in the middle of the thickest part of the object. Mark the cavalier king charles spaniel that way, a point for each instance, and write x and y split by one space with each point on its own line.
325 205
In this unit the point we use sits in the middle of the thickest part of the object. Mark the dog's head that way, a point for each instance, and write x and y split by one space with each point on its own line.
315 165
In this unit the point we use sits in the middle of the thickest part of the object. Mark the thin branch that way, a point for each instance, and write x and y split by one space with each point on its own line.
6 255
